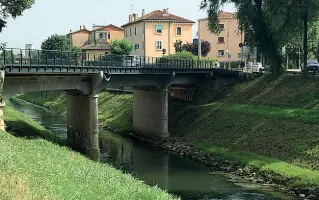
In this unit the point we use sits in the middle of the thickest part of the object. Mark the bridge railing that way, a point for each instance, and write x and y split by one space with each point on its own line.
42 58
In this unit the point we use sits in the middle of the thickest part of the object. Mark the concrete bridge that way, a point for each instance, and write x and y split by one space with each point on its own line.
84 76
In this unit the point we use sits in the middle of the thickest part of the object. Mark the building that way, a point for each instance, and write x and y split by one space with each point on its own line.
156 32
80 37
95 43
225 46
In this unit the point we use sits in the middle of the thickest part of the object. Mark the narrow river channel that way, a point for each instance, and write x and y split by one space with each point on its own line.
179 176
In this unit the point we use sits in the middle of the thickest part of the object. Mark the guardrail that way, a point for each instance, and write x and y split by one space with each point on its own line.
27 59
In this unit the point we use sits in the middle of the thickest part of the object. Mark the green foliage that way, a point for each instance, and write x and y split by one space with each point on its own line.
61 172
55 44
178 46
181 55
121 47
12 8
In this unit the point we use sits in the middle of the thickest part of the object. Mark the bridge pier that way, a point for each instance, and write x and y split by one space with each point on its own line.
82 122
150 113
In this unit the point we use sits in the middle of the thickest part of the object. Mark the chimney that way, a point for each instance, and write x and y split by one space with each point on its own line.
80 27
165 10
70 31
84 27
143 12
134 17
130 18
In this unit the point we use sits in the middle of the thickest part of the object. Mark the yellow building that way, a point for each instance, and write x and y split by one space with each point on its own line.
227 42
156 32
95 43
80 37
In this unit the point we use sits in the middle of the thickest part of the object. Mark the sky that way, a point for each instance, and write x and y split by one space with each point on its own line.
48 17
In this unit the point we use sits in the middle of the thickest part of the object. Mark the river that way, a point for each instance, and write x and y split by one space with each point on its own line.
179 176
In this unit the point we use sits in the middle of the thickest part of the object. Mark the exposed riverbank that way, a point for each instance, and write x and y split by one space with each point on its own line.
33 168
267 130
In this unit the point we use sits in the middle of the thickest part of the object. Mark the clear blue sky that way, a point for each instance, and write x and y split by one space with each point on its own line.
47 17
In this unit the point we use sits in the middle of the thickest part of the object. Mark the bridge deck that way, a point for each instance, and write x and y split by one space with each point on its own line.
53 62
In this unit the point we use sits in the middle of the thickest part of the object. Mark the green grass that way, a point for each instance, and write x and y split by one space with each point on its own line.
22 126
303 177
33 168
54 100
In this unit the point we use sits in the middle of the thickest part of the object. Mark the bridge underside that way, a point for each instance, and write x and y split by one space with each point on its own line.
150 101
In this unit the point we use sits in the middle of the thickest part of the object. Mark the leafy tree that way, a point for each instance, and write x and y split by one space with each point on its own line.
12 8
271 24
193 48
178 46
55 44
121 47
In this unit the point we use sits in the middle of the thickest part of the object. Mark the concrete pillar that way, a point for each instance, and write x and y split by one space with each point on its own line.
82 121
150 113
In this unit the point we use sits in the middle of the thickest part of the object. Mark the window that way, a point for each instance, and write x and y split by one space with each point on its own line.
221 27
135 30
179 30
158 29
221 53
158 45
137 46
102 35
221 40
130 32
109 36
126 32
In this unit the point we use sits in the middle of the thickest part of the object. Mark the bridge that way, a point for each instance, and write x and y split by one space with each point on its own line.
83 76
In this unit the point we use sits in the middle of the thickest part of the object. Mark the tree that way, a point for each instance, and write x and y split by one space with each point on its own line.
121 47
193 48
271 24
178 46
12 8
55 44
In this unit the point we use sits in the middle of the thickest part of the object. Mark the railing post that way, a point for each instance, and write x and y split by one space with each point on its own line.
100 61
12 59
53 60
4 56
61 59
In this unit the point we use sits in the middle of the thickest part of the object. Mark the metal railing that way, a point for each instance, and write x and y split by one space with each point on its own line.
35 59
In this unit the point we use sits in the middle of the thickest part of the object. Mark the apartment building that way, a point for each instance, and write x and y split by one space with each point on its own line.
97 41
155 33
225 46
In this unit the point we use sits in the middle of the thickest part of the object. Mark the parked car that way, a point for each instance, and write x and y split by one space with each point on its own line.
254 67
312 65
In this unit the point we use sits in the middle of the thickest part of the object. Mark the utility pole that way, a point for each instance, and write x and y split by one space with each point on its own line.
199 42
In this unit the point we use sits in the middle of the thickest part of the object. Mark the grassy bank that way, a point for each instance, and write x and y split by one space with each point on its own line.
33 168
265 124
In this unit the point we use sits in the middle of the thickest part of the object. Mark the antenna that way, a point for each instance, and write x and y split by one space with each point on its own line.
131 9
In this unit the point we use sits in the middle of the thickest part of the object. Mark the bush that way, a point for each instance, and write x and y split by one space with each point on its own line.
121 47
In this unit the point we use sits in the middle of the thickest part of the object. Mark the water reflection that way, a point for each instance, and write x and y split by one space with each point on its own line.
179 176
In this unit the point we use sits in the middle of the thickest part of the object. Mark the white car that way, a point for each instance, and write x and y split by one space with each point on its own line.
254 67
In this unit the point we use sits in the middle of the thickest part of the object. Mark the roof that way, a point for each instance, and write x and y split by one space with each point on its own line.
110 26
224 15
79 31
161 16
97 46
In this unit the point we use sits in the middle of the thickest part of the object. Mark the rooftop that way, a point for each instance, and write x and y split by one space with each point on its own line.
223 15
161 15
